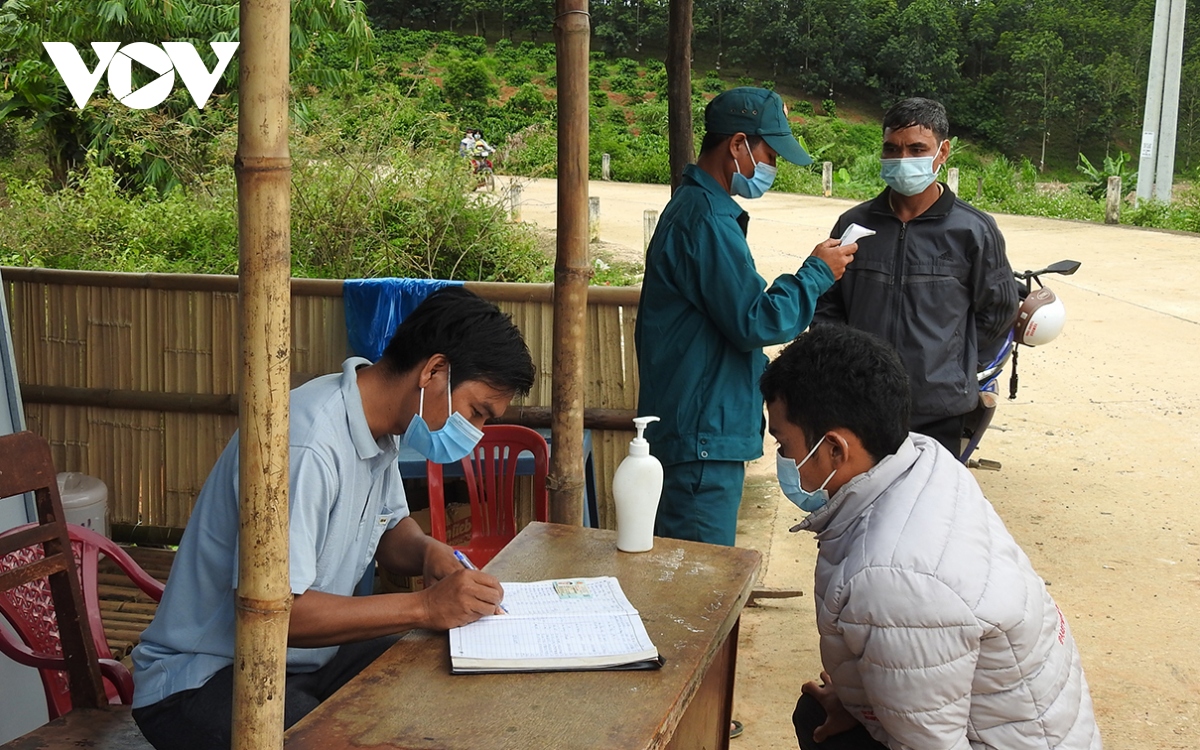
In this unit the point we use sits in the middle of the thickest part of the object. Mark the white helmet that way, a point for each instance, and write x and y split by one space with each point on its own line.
1041 318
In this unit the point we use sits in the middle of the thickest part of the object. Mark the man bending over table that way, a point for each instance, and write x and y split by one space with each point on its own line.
454 363
935 631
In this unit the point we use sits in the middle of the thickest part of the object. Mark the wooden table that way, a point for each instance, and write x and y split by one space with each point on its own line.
690 596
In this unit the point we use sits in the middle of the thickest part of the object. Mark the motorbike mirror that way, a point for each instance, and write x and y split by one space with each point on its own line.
1063 267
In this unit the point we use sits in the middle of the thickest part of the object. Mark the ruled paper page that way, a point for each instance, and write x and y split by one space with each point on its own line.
560 624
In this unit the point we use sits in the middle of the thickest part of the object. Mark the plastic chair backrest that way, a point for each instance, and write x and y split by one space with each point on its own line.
490 473
26 466
30 611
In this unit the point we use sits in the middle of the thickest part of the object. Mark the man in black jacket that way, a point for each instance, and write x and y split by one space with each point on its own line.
934 280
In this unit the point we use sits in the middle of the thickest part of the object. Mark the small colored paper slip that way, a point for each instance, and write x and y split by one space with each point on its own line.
577 589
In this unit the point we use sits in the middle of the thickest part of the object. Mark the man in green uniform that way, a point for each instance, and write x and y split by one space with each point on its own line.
705 314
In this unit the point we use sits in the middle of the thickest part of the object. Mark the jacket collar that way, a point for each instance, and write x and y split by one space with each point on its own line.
722 202
940 208
360 432
856 496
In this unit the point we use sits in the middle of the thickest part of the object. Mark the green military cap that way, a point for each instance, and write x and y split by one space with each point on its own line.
755 112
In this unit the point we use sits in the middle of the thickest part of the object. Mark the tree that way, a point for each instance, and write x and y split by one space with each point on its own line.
468 81
1034 79
921 58
33 89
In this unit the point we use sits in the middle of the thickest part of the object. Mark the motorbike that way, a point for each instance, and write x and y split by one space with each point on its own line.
1040 319
484 174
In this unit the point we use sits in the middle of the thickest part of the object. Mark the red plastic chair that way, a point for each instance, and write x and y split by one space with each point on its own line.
490 473
29 608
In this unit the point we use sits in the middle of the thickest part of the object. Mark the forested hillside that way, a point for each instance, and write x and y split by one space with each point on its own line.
1008 70
382 94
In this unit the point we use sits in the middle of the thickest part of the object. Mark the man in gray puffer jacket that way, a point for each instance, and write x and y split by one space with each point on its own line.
935 630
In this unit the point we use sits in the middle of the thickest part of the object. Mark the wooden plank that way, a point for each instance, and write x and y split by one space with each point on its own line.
106 727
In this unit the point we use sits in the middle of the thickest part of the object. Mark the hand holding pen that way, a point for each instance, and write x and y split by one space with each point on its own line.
466 563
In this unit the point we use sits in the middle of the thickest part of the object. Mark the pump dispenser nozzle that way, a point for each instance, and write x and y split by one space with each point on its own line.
639 446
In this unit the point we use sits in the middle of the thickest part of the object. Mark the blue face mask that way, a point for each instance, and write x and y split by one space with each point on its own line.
453 442
788 472
764 177
909 176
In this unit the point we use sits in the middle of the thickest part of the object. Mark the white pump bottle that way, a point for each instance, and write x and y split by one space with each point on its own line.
637 487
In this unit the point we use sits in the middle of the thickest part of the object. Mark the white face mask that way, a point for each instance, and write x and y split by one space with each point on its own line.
912 175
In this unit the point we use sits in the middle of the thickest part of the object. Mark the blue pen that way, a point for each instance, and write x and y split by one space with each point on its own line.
466 563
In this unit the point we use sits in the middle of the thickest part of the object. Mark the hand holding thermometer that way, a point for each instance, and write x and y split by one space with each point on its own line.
466 563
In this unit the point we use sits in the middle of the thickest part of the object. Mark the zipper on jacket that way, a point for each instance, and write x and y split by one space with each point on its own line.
897 285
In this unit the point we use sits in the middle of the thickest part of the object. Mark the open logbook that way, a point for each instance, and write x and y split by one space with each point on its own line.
566 624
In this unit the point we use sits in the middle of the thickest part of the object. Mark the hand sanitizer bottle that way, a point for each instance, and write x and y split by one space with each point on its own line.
637 487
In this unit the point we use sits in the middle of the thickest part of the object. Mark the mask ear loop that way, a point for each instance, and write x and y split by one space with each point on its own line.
449 402
802 461
421 404
810 454
826 480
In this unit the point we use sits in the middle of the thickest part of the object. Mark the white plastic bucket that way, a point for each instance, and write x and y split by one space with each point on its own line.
85 500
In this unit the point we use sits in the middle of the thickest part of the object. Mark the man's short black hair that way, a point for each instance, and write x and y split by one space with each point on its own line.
715 140
481 342
837 376
920 112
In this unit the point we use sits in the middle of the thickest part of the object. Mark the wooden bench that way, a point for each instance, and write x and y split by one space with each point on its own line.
101 728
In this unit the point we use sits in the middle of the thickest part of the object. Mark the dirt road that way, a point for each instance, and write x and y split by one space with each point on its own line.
1099 477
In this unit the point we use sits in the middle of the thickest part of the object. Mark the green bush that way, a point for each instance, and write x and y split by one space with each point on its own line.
416 216
626 84
712 82
517 75
468 81
95 225
618 118
529 100
627 67
532 151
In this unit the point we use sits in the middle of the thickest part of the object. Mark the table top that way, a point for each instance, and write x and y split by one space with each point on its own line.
690 596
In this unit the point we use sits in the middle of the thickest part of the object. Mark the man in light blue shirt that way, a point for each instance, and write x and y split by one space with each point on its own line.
456 354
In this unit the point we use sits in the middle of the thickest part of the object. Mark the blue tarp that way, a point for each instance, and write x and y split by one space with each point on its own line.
374 307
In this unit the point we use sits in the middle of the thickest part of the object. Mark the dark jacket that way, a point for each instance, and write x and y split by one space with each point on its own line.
939 289
703 318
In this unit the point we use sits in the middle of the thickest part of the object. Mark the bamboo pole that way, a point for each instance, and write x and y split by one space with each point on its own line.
572 270
264 171
680 145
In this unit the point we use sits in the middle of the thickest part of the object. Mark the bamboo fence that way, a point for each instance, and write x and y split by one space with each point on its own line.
133 377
